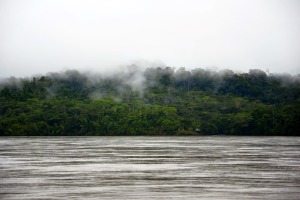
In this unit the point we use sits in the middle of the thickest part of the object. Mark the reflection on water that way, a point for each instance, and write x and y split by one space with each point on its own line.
150 168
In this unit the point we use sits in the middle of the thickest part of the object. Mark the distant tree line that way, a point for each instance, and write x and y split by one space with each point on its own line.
155 101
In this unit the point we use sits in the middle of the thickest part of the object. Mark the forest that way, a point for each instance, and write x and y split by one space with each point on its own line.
152 101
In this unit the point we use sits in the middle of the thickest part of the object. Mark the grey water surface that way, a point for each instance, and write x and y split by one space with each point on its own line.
149 168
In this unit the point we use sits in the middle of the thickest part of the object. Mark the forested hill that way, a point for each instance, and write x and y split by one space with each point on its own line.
155 101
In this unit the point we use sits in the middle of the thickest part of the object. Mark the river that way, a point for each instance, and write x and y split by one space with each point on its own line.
149 168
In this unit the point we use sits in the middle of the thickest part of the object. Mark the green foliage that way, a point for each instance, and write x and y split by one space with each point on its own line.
167 102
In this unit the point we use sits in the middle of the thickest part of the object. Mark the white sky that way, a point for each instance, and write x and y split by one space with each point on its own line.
38 36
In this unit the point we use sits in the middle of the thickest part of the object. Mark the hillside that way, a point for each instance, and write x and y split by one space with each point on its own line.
155 101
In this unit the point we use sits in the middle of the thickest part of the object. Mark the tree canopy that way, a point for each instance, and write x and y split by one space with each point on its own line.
155 101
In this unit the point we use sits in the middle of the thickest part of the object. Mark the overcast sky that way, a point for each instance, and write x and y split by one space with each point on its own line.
39 36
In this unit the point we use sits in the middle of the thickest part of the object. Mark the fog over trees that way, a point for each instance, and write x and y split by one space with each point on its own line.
154 101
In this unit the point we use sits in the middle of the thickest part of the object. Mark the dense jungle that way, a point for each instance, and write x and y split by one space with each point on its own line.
152 101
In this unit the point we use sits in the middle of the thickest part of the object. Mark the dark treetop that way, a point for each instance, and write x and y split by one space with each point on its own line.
155 101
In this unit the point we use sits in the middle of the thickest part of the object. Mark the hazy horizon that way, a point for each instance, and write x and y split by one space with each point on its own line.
37 37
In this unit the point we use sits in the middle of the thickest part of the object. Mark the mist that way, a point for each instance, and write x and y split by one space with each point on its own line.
44 36
134 82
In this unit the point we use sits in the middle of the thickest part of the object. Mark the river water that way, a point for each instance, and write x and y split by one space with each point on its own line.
149 168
